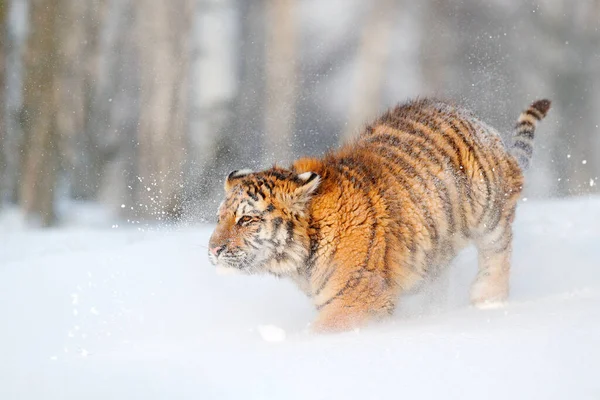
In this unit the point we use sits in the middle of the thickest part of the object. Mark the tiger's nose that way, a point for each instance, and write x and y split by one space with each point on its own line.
216 250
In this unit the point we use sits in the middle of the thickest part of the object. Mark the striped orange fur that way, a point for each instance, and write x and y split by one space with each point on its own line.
361 225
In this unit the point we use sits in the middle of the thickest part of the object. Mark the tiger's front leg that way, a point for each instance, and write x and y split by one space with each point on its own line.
351 304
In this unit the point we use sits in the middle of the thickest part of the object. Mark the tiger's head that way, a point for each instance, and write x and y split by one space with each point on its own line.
262 224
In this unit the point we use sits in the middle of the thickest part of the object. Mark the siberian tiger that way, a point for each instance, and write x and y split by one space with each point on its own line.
363 224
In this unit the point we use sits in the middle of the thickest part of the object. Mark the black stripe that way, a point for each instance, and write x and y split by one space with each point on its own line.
412 245
387 276
460 174
345 166
534 113
393 155
251 193
528 134
409 126
446 200
365 185
495 220
401 181
431 122
278 175
495 174
525 123
442 191
501 244
249 244
270 185
314 242
352 283
525 146
364 166
290 229
276 224
325 281
490 202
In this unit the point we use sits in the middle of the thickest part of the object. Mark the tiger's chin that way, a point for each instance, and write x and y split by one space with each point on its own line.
227 267
275 267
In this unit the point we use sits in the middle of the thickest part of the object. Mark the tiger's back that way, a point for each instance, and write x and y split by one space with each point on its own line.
395 205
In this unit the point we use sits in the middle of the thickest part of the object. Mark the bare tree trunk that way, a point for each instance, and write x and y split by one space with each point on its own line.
114 114
80 40
40 157
215 83
3 130
70 117
214 73
16 23
437 45
238 121
164 28
372 60
281 80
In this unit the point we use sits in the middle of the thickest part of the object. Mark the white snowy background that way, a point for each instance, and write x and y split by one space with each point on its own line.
123 313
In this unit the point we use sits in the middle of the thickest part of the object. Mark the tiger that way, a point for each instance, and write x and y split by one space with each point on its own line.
361 225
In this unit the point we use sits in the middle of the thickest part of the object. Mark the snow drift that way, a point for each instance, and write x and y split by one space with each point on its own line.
122 313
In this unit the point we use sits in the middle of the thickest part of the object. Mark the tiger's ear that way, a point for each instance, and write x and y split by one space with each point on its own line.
309 183
233 175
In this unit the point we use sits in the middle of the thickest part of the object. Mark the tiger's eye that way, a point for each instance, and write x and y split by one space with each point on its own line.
246 219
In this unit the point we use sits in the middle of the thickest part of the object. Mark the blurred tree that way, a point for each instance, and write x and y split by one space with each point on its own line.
564 52
218 45
115 110
438 46
371 66
163 32
227 129
40 147
3 127
16 21
84 153
246 127
152 103
281 79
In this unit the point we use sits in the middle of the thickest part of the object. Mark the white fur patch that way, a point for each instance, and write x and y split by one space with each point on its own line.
304 176
310 185
241 172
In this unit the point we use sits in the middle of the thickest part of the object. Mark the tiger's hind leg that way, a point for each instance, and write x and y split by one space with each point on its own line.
490 288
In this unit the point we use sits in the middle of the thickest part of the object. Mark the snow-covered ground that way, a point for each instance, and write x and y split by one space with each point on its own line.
101 313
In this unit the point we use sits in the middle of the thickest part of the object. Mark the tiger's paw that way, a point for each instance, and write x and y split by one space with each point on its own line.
489 304
336 322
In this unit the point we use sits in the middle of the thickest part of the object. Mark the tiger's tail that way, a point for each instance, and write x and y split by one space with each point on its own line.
522 142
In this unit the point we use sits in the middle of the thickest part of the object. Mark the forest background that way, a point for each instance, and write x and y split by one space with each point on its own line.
143 106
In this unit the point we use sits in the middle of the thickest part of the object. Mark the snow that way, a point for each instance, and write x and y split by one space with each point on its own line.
101 313
271 333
